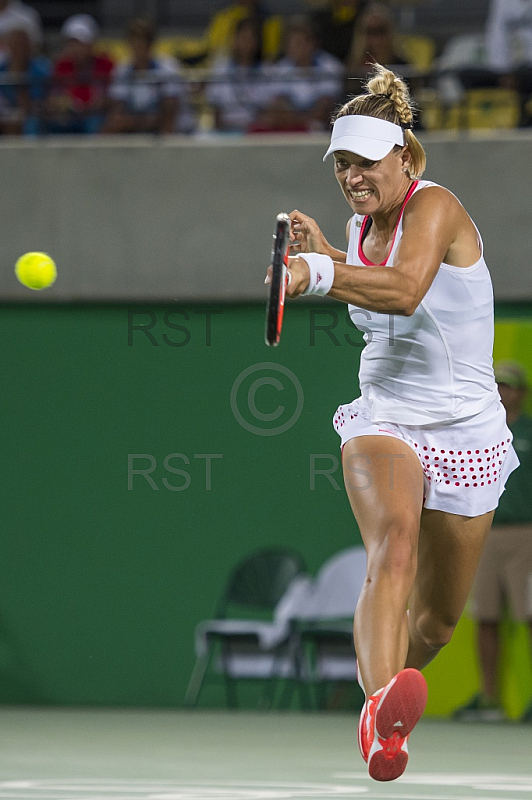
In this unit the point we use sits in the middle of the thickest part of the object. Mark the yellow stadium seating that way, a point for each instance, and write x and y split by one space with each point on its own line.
181 47
418 50
486 108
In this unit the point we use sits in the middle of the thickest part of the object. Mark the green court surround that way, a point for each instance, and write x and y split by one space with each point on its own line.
101 586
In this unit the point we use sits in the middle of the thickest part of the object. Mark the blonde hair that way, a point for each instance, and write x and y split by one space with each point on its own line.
387 97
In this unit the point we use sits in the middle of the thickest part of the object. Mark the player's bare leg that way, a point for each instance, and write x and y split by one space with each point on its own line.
449 550
384 483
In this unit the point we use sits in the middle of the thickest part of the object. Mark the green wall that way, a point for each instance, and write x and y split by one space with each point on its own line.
101 586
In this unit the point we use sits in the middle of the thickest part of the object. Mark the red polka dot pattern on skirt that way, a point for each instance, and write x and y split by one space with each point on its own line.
340 419
487 463
476 466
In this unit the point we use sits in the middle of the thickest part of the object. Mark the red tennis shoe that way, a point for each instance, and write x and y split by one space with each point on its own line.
366 725
387 719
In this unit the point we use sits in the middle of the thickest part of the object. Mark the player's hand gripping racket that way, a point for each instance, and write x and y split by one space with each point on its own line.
279 280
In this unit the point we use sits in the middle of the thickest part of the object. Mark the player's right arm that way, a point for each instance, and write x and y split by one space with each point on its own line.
306 237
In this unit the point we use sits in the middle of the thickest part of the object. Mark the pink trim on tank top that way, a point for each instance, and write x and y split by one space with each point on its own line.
361 255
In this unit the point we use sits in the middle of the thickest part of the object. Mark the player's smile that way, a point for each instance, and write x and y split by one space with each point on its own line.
359 195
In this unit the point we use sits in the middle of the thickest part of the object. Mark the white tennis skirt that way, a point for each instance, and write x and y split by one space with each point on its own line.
466 463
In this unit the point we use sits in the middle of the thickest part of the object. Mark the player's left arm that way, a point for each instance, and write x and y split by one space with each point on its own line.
430 224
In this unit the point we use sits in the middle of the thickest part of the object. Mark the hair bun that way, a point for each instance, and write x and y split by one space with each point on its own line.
386 83
387 97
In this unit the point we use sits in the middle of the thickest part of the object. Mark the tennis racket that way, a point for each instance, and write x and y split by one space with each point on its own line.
275 305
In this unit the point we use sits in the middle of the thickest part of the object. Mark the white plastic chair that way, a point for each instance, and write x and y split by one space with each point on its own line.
325 628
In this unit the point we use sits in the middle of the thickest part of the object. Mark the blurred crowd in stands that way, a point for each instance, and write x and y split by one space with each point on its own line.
254 71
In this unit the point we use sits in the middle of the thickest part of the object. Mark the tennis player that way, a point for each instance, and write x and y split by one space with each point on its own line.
426 449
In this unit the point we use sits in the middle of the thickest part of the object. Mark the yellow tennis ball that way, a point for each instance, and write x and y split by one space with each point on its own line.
36 270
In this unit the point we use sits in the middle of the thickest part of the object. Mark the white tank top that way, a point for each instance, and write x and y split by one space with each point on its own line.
436 365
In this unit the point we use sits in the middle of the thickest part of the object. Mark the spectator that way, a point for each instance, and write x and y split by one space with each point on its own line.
240 88
222 28
461 66
145 92
15 14
509 49
505 570
308 84
336 24
80 79
374 41
21 101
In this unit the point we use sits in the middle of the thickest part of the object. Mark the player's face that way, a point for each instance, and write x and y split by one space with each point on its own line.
370 186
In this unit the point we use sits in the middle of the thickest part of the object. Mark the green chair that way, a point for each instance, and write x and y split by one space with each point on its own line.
249 638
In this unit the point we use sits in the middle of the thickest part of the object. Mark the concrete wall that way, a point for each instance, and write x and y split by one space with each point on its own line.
191 220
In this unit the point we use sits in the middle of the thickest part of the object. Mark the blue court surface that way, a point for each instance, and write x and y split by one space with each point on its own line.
174 755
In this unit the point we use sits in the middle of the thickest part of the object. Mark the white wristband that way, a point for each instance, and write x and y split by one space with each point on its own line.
321 273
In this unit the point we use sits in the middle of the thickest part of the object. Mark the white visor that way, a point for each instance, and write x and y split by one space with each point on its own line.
368 137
